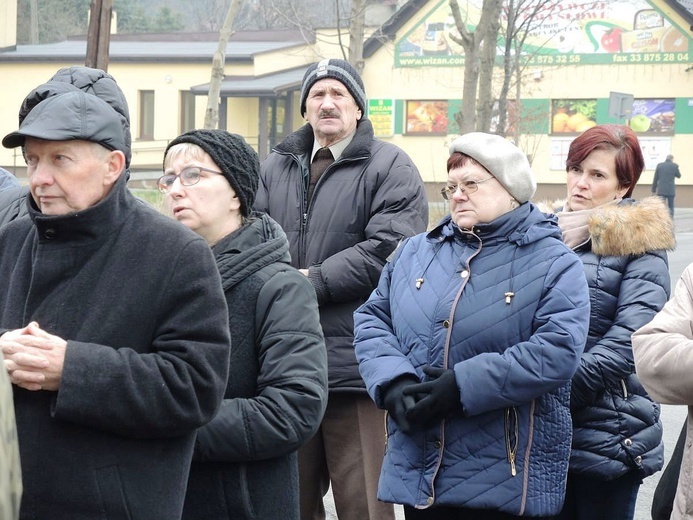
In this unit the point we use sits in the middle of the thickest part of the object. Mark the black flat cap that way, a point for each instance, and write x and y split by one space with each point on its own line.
71 116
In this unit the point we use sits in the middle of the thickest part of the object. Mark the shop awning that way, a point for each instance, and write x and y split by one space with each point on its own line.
269 85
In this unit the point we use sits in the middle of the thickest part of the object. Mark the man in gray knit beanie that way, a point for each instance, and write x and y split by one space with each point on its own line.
345 200
340 70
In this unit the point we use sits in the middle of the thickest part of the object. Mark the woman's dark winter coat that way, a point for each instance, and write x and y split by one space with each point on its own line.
617 428
245 465
140 303
364 204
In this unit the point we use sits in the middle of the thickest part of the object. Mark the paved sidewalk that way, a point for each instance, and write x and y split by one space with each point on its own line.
683 220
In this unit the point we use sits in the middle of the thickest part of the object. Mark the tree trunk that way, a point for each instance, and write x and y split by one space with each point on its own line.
467 121
33 22
218 61
356 32
486 68
469 89
508 69
471 43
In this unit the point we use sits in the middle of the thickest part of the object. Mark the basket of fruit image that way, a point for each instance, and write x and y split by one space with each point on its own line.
573 116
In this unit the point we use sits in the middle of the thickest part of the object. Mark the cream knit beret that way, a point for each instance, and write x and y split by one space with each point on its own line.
504 160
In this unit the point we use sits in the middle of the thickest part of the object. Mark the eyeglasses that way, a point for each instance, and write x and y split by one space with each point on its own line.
467 187
188 177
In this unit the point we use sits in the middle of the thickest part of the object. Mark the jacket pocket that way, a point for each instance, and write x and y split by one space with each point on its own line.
112 495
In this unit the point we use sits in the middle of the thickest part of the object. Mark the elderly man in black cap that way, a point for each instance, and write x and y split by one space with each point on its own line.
345 200
113 323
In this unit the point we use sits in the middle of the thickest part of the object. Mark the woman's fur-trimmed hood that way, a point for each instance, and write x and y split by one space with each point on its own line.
629 228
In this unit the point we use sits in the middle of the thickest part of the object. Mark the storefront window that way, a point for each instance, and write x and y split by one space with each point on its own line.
146 112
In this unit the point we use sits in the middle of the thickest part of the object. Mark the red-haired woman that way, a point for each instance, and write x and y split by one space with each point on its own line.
617 433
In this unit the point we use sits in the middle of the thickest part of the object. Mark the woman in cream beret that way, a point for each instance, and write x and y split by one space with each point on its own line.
470 341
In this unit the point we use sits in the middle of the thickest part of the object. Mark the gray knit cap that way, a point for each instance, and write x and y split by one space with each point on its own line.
340 70
236 159
504 160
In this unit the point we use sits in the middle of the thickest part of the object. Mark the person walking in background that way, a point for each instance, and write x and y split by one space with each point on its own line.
470 341
245 464
617 432
663 184
113 322
345 200
663 351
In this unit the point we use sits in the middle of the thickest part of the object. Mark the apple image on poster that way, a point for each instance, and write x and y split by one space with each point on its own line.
640 123
611 40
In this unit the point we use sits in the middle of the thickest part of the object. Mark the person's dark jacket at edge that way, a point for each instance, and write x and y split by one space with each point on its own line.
245 463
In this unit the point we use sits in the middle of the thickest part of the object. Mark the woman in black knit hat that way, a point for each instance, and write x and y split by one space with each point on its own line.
244 465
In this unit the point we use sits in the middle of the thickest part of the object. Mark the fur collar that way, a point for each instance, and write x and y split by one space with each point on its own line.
628 228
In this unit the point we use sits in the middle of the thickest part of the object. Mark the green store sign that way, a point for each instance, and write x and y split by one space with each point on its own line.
569 33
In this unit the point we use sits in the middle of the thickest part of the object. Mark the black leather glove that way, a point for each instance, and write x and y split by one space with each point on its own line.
435 399
396 403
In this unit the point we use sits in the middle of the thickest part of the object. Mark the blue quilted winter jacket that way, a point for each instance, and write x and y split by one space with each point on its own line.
506 306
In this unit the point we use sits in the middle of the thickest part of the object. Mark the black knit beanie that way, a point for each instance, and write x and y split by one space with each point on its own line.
340 70
236 159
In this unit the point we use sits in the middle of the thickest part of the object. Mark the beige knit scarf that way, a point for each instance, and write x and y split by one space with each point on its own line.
575 225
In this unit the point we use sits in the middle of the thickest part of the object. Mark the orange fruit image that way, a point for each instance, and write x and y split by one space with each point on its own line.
559 121
575 120
585 125
673 41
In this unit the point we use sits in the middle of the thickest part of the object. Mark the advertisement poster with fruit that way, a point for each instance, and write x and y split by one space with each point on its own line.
573 115
576 32
653 116
427 117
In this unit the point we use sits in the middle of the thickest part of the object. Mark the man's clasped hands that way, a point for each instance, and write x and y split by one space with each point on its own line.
33 357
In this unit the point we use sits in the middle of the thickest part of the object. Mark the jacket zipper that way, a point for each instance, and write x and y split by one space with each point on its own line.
511 437
528 451
306 204
625 390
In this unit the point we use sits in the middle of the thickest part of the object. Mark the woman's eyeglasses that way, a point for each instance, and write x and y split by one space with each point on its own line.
467 187
188 177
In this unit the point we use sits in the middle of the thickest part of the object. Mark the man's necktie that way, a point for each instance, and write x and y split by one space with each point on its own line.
323 158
